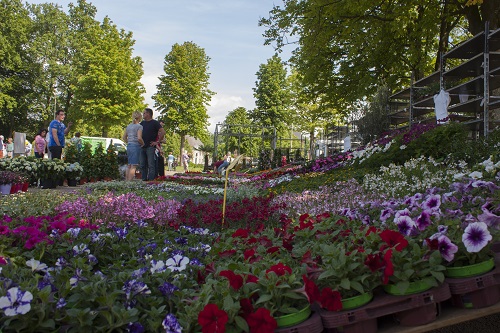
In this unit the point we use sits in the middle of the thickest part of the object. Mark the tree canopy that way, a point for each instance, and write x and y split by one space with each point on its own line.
182 95
344 48
50 59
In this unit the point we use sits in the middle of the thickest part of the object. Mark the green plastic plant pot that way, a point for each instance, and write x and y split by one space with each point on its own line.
294 318
470 270
356 301
415 287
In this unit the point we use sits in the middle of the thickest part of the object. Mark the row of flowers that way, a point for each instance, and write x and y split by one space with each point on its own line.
35 168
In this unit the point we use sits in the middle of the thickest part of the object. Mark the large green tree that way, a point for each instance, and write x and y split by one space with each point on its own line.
15 69
272 95
52 60
345 48
182 95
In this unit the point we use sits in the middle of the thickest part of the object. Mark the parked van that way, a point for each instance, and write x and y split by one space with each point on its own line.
117 144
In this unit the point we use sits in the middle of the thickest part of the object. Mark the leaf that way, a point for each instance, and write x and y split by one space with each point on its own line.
345 284
357 286
264 298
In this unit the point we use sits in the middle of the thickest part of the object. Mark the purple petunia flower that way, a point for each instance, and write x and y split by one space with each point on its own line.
405 224
476 236
61 303
16 302
432 202
171 324
135 287
447 248
135 328
488 217
385 214
424 220
167 289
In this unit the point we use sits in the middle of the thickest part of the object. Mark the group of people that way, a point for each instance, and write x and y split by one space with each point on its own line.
49 141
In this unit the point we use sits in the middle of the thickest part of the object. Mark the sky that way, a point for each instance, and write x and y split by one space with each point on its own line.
227 30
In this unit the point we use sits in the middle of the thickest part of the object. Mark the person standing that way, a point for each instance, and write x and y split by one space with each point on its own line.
10 148
160 157
170 161
58 131
1 146
152 134
40 143
133 138
77 141
185 161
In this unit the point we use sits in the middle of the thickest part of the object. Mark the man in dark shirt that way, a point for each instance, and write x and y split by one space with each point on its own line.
152 134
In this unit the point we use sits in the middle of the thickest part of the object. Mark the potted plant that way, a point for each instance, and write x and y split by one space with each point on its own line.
73 173
50 172
6 180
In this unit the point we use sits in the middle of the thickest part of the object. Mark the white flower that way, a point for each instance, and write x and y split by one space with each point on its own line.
36 266
476 175
177 263
16 302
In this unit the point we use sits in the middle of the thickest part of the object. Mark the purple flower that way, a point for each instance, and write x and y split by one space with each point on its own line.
177 263
447 248
488 217
134 287
16 302
171 325
135 328
476 236
61 303
167 289
424 220
385 214
432 202
405 224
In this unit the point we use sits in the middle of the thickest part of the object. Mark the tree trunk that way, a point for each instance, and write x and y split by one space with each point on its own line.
183 137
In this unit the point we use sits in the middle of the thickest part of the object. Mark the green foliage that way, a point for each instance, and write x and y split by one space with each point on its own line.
182 95
375 120
272 95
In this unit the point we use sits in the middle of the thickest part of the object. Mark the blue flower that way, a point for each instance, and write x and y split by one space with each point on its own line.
168 289
135 328
171 325
134 287
16 302
61 303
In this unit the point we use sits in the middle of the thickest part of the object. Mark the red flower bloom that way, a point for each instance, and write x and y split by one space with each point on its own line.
280 269
252 278
374 262
3 261
273 249
312 290
322 217
246 307
249 253
235 280
261 321
394 239
227 253
242 233
212 319
389 268
330 299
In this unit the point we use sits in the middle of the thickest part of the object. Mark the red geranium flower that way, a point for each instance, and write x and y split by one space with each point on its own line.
330 300
212 319
280 269
273 249
227 253
261 321
394 239
251 278
235 280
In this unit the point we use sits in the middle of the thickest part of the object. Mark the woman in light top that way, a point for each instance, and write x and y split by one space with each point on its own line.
133 137
40 143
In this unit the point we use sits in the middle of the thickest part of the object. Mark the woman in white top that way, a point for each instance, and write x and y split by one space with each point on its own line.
133 137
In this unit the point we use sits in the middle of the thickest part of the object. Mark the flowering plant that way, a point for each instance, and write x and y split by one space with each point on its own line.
338 255
50 169
8 177
74 170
